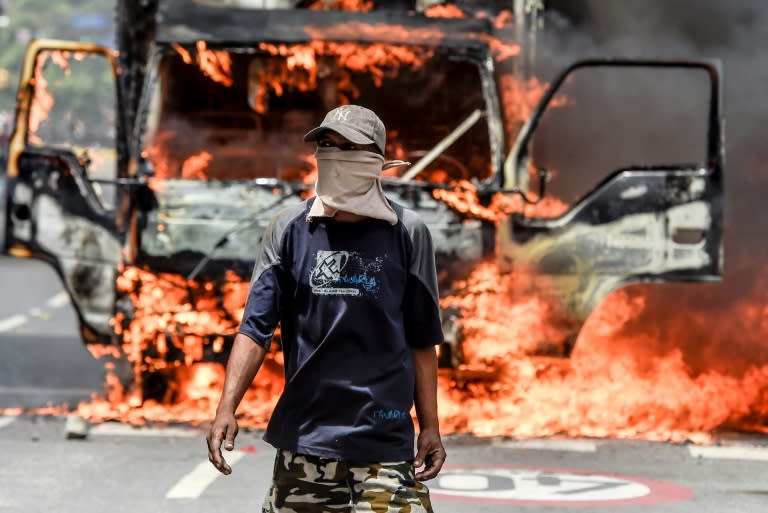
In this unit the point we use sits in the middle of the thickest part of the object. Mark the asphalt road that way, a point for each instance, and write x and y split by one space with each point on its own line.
42 360
118 468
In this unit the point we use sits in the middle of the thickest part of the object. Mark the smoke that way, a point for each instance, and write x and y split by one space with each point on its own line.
720 326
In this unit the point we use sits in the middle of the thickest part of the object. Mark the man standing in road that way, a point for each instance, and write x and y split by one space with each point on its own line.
351 278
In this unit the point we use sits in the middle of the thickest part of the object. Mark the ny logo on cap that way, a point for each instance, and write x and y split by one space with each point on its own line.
341 114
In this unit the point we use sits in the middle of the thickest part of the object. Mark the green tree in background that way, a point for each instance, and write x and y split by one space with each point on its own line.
80 20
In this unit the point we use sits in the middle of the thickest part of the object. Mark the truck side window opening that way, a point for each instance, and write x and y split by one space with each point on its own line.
604 120
62 117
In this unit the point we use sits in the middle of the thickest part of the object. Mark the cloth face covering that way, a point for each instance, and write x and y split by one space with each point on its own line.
349 181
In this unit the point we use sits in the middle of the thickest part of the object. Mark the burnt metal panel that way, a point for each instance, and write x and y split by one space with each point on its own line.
222 222
55 215
638 226
218 221
178 22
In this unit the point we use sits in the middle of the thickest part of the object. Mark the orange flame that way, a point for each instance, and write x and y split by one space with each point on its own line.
464 198
170 311
297 71
183 52
342 5
42 101
174 314
194 166
160 157
381 33
444 11
215 64
521 97
503 19
300 68
609 387
501 50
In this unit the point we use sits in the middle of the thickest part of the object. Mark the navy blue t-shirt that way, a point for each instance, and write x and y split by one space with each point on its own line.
352 299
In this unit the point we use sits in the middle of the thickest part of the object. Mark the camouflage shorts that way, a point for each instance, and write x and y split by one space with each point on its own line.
309 484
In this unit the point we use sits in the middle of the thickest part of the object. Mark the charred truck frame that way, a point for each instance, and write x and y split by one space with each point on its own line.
211 102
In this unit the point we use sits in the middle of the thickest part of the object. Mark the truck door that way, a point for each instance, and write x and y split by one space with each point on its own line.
648 215
61 195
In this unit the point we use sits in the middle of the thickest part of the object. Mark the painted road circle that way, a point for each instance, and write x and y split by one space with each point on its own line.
550 486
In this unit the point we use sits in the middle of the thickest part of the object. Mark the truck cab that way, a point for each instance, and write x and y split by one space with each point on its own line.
153 223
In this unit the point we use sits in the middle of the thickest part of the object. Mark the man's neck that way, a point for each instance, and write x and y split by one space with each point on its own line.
348 217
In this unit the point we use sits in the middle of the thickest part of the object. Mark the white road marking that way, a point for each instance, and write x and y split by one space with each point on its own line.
194 484
6 421
13 322
549 445
59 300
731 452
112 429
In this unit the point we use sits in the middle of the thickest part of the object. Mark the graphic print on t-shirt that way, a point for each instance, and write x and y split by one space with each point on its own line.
344 273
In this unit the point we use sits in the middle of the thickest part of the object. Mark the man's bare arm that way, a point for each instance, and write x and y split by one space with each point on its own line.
430 452
243 364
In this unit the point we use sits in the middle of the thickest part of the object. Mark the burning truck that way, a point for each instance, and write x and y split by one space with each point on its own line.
151 219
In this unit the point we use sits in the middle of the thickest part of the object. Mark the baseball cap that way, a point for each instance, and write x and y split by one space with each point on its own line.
356 123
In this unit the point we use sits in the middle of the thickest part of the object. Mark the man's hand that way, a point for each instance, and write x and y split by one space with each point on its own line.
430 455
223 430
244 362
